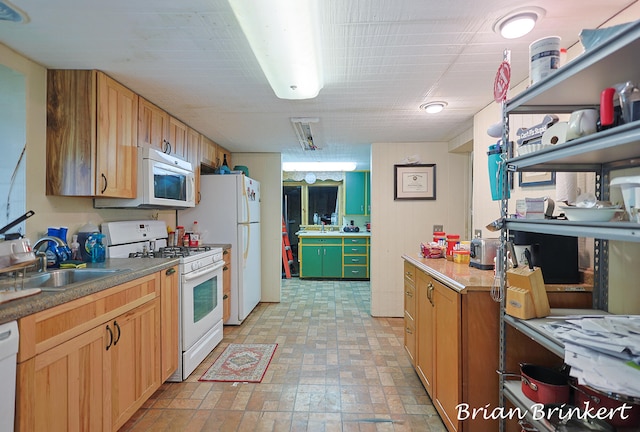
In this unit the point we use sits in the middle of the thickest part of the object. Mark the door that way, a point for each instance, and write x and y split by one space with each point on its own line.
249 271
311 260
425 343
135 357
117 138
249 203
170 315
332 261
448 391
67 385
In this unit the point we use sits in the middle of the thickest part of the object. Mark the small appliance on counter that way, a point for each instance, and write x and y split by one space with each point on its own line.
482 253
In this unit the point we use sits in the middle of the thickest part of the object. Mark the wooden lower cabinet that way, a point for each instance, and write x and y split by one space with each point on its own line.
226 285
456 353
169 316
410 311
90 364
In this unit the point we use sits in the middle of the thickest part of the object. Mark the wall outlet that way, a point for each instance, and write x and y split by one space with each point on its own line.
438 228
477 233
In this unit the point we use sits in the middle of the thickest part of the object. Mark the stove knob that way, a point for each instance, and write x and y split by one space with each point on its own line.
194 267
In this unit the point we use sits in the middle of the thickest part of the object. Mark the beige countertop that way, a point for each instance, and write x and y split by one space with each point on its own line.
131 269
459 277
333 234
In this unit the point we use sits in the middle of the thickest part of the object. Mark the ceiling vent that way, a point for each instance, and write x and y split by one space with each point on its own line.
302 126
9 12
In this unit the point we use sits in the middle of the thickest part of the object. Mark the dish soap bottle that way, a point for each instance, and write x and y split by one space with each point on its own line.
96 247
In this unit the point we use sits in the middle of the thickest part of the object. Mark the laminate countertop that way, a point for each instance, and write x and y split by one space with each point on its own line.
128 269
459 277
333 234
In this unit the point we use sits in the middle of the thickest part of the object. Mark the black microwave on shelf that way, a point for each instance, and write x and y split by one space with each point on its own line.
556 255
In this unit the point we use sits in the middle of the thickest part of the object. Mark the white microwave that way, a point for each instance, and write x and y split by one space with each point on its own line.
164 181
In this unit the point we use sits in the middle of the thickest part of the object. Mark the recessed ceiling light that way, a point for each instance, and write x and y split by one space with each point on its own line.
518 23
433 107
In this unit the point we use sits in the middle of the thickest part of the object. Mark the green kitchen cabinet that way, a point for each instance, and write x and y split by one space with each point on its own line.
320 257
355 255
357 193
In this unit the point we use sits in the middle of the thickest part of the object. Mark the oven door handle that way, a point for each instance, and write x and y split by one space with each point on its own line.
203 271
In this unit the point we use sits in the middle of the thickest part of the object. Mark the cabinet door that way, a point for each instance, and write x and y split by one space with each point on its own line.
226 285
134 364
153 126
178 143
117 135
448 377
64 388
311 261
193 156
355 193
425 330
208 153
332 261
169 315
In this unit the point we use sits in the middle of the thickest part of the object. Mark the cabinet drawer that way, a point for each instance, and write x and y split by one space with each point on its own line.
355 259
355 271
321 241
409 273
355 240
410 337
410 300
359 250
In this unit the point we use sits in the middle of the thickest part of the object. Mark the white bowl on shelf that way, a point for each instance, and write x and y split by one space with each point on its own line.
532 148
592 214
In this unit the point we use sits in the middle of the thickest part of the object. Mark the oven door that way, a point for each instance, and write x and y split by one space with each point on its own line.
201 302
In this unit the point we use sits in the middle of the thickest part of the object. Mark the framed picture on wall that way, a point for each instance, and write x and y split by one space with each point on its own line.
414 182
529 179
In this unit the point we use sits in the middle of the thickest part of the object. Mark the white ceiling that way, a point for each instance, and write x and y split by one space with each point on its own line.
381 60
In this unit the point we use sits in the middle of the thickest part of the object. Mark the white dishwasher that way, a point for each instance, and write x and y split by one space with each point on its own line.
8 355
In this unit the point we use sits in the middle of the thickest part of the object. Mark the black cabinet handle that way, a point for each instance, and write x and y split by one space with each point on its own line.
170 271
104 182
226 296
225 268
117 326
110 337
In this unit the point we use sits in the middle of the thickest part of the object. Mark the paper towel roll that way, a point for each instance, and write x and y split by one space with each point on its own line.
566 186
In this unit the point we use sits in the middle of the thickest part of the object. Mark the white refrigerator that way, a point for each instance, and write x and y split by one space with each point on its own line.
229 212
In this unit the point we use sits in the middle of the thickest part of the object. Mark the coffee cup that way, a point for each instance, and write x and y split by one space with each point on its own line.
582 123
21 251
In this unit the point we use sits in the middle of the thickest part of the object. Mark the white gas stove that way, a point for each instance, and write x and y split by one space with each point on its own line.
201 288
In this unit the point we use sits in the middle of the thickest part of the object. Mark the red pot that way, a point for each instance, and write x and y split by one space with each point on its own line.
588 398
544 385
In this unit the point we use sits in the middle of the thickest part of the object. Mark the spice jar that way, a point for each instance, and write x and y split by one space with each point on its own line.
453 240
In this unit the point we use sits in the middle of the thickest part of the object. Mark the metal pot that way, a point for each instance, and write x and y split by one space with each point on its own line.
542 384
559 418
589 398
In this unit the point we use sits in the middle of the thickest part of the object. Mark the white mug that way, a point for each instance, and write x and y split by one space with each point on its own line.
21 251
581 123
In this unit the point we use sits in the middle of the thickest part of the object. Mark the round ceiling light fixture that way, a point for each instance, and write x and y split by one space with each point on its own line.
518 23
433 107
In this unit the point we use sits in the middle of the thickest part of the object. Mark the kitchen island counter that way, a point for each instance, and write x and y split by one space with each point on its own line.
130 269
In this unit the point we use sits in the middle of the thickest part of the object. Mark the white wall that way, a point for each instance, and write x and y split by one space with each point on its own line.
266 168
398 227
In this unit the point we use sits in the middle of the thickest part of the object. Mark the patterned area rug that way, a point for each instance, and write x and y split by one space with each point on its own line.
241 363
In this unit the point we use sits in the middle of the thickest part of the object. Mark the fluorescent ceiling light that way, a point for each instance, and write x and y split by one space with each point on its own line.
518 23
318 166
283 35
433 107
302 127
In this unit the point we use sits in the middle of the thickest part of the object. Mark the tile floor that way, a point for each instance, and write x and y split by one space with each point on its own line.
335 369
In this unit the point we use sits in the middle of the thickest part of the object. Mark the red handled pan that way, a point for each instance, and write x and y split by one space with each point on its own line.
622 416
543 385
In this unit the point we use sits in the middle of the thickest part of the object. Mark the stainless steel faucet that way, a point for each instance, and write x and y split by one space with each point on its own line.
41 265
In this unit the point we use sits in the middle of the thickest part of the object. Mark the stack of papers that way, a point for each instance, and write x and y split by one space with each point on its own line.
603 352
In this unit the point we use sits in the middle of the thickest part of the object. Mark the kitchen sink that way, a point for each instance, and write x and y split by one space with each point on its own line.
57 280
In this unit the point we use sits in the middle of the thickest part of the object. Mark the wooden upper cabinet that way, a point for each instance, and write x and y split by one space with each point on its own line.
208 153
193 156
153 126
178 138
91 135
